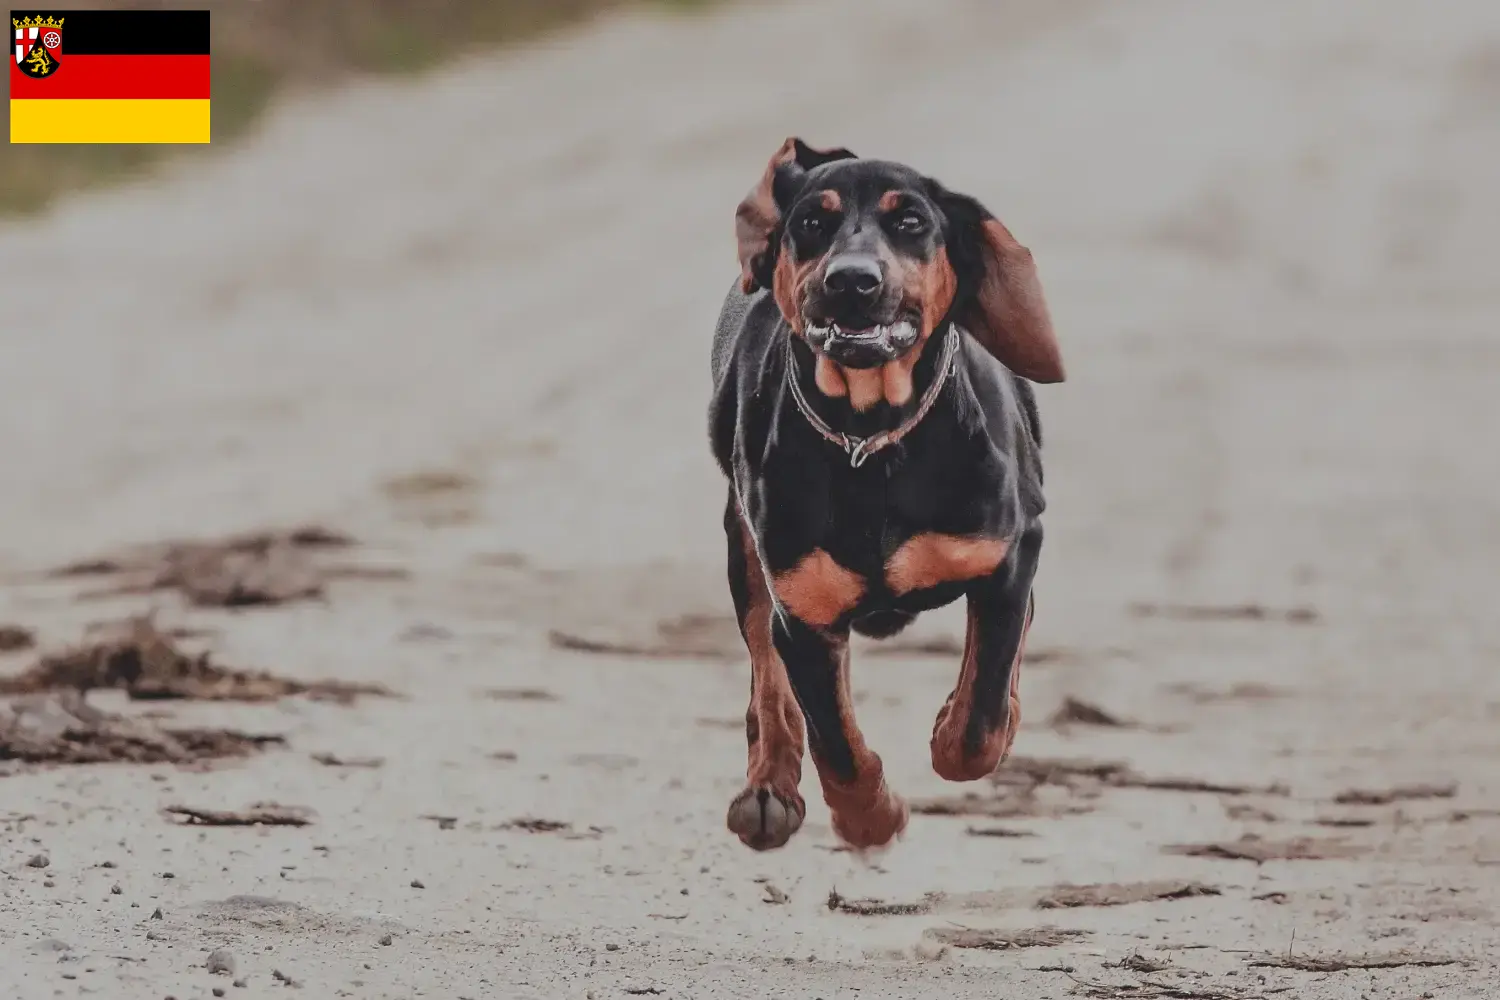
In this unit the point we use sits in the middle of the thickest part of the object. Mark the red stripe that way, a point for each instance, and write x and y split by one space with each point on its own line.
120 77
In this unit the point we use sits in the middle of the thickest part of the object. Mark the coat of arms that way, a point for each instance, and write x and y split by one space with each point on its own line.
38 44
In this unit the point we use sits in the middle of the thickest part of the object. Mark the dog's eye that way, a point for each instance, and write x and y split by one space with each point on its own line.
909 223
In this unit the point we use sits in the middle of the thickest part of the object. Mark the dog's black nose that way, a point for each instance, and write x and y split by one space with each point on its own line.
854 275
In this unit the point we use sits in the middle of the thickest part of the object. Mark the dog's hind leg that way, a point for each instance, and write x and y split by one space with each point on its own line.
770 809
975 729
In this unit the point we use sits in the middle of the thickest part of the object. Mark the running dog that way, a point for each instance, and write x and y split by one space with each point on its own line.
874 416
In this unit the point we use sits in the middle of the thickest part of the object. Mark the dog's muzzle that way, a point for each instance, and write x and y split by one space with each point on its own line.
866 348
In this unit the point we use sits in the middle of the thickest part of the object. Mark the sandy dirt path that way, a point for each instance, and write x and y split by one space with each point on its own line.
467 321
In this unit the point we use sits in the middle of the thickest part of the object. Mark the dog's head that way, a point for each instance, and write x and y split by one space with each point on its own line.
867 259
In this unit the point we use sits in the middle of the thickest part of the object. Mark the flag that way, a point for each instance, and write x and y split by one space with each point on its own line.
109 76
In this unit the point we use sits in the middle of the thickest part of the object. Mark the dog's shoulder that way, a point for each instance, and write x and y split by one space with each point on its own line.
732 314
746 326
743 361
1008 407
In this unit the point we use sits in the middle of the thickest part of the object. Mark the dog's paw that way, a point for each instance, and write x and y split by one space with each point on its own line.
953 760
874 827
764 819
955 765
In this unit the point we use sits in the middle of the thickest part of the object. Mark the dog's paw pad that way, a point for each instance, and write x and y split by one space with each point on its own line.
764 820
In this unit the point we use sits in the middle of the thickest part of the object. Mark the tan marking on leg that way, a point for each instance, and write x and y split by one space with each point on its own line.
773 723
929 559
780 720
947 746
818 590
865 813
830 378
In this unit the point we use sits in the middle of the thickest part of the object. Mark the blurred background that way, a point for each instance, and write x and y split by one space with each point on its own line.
445 283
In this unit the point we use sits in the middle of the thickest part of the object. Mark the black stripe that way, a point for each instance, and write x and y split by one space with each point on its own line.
127 32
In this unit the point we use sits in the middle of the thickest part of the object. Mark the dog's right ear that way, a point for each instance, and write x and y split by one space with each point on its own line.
759 215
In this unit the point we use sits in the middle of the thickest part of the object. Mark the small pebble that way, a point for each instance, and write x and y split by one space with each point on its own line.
168 875
156 914
221 962
106 864
48 884
39 861
387 940
416 883
611 947
115 889
239 984
218 991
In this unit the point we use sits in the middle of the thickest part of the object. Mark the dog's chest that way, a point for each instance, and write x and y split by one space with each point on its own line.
898 527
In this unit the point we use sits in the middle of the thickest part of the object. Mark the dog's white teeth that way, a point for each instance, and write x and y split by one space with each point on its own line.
903 330
869 333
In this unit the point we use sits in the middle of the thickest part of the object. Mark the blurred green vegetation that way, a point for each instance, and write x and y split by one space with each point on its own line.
262 47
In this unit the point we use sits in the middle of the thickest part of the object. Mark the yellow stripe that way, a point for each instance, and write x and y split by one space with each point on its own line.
109 121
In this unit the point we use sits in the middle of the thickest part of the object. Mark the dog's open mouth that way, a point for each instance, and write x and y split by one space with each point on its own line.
862 347
899 330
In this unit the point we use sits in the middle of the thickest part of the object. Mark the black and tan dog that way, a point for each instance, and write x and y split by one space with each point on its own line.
873 415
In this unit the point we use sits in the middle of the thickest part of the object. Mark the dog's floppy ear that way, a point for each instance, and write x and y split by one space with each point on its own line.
759 214
1005 309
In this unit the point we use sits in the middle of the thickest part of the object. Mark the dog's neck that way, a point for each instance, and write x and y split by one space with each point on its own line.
866 403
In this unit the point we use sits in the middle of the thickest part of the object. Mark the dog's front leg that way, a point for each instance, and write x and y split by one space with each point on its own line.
770 809
865 811
975 729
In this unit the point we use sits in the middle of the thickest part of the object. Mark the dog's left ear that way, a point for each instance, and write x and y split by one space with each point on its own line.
757 217
1005 310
